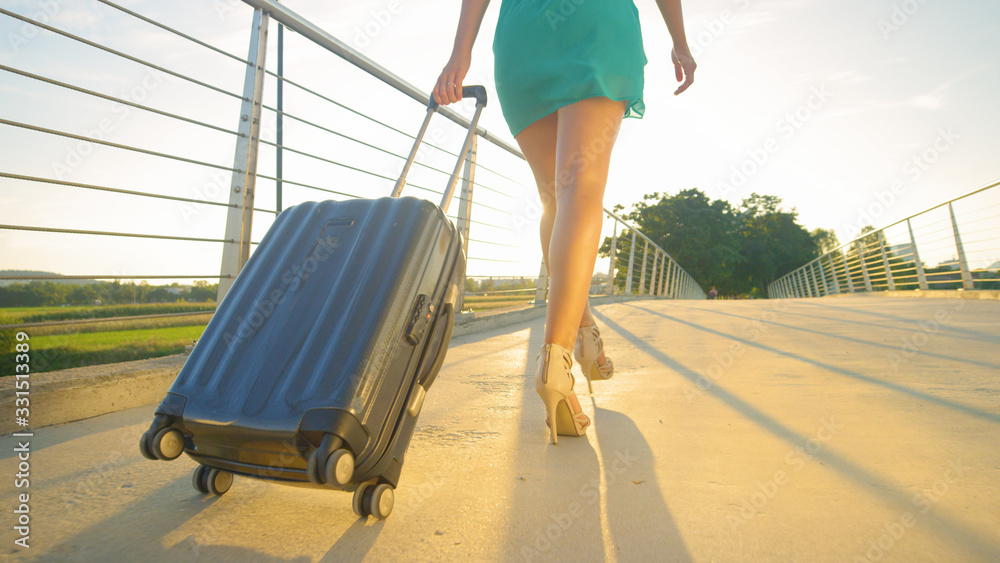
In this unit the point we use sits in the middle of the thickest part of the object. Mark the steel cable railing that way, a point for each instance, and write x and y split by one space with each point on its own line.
178 160
895 257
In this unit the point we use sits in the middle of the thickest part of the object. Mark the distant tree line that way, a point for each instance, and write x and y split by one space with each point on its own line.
49 293
487 285
739 250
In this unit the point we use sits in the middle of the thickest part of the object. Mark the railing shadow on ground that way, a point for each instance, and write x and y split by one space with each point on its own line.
985 337
891 494
966 409
890 347
964 333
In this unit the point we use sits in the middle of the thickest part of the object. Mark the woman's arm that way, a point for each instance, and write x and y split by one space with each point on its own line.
449 85
684 64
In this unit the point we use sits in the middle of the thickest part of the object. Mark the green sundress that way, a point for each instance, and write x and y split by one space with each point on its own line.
551 53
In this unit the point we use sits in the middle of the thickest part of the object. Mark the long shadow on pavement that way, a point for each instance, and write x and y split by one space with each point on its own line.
979 413
639 521
554 509
355 542
890 347
970 541
973 333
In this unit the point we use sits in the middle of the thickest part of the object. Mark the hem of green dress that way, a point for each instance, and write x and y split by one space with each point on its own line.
636 108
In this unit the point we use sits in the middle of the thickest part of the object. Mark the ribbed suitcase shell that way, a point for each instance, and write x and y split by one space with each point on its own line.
313 332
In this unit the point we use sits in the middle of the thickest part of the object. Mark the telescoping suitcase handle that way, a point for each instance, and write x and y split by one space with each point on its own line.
477 92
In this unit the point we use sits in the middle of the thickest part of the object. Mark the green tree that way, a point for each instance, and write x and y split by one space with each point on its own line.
771 242
739 251
693 229
826 239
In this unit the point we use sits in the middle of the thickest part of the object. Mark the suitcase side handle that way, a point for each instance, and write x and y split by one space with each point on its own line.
425 381
478 92
448 312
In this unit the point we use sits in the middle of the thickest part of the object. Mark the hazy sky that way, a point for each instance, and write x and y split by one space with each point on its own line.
853 112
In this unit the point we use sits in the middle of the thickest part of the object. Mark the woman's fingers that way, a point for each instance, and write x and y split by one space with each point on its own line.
448 89
684 67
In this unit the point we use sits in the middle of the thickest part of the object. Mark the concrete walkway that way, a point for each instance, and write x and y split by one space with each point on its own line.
850 429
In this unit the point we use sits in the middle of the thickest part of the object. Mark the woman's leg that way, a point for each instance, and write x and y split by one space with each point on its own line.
538 143
586 134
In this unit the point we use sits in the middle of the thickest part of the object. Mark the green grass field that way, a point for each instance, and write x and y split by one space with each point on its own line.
77 345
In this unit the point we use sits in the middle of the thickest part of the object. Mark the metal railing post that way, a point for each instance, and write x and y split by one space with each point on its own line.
465 209
921 278
666 272
280 121
670 280
542 285
652 278
239 219
864 266
833 270
631 261
614 258
847 271
674 290
642 272
822 275
967 282
814 280
885 261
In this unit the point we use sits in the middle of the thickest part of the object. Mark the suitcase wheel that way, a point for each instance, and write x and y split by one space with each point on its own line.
144 447
339 468
167 444
209 480
373 500
198 479
330 464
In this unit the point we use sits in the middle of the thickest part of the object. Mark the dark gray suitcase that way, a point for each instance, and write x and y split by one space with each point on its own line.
316 363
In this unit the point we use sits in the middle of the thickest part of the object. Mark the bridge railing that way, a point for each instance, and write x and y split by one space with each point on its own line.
147 149
960 237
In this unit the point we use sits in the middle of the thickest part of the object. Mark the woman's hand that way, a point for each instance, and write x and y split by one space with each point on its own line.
448 89
684 66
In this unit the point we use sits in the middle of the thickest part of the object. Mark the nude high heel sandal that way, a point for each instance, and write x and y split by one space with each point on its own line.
554 384
586 351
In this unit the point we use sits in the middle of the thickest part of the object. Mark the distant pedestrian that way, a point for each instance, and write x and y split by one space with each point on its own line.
713 293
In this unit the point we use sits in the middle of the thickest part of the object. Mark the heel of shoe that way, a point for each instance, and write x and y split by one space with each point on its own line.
552 400
588 372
